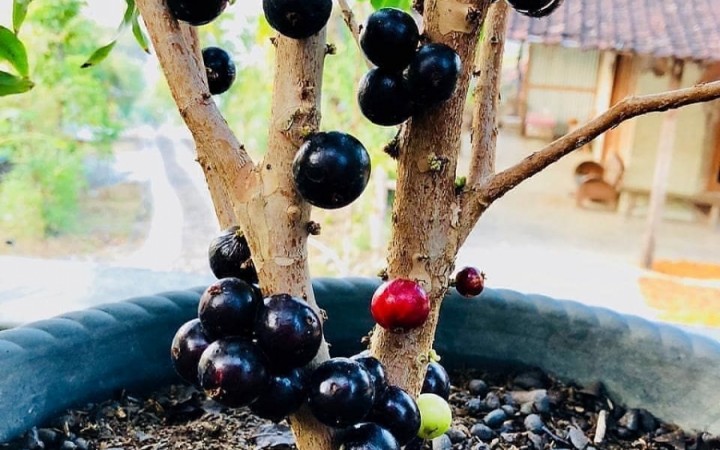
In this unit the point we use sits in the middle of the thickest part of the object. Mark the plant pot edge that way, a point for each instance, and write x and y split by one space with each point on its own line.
85 355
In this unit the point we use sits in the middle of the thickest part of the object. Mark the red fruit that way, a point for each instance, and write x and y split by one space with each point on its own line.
469 282
400 305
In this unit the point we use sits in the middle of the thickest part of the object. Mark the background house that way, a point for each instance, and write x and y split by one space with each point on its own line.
590 54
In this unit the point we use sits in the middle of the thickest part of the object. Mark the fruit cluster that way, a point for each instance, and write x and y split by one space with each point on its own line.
535 8
407 79
353 395
243 349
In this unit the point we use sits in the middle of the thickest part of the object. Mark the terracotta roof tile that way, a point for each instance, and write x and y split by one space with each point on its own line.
686 29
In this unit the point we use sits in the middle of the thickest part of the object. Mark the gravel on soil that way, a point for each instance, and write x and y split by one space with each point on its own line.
528 411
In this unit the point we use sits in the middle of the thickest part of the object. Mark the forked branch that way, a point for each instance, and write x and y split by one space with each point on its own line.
218 150
476 200
487 95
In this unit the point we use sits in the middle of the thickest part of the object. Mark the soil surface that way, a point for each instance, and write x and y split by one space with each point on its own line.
525 410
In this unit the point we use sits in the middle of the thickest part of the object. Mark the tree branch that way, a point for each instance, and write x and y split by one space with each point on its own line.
220 196
353 26
226 164
487 95
476 200
349 18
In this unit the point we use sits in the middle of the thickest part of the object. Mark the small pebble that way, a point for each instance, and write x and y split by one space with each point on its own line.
534 423
578 438
520 397
526 408
82 444
492 401
482 431
456 435
509 410
68 445
508 437
537 441
495 418
507 427
32 440
481 446
478 387
442 442
624 433
630 420
648 422
48 436
475 406
532 379
542 404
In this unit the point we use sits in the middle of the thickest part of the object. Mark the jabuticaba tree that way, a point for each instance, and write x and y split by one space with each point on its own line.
272 355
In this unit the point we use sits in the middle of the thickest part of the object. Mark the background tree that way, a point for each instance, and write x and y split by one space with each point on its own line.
432 213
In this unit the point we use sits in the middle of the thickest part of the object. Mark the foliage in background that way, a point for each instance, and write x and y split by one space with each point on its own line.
70 113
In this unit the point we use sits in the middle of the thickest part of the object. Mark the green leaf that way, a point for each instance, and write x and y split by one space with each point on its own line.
99 55
12 84
20 8
140 35
400 4
13 51
128 16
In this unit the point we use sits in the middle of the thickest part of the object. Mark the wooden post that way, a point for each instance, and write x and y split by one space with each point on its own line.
662 171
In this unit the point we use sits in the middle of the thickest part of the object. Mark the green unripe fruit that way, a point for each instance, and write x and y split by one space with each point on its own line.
435 416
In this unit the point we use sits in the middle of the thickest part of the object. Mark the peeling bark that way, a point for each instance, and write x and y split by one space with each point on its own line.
274 216
487 95
423 244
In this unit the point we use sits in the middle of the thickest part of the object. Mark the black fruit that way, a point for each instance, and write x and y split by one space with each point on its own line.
228 307
535 8
189 343
288 331
436 381
389 38
284 395
220 69
229 256
340 392
384 97
196 12
233 372
375 369
297 19
433 73
331 169
397 411
368 436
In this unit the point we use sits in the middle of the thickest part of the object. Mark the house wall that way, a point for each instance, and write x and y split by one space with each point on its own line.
688 174
561 83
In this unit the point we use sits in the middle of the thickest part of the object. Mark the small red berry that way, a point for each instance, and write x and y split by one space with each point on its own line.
400 305
469 282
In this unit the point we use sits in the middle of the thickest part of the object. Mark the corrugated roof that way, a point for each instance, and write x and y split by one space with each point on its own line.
685 29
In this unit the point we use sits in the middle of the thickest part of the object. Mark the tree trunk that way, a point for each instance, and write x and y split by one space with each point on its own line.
424 220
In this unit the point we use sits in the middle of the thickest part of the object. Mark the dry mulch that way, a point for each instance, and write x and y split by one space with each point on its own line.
490 412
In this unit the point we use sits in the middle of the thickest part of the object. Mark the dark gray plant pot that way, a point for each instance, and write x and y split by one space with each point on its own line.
54 364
